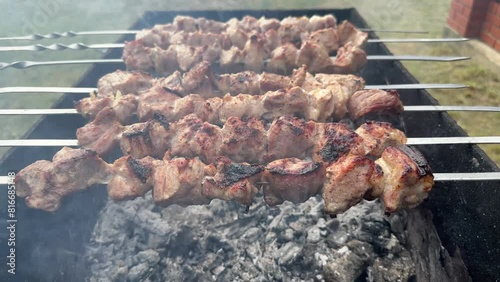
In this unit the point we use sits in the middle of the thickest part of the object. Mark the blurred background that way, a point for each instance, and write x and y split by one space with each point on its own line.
45 16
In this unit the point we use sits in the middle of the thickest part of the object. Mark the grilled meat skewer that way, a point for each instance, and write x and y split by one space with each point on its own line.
282 60
203 81
247 44
240 139
400 177
291 29
321 98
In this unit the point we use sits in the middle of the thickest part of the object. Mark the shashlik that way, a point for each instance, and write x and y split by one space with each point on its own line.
400 177
191 30
240 139
248 45
349 59
321 97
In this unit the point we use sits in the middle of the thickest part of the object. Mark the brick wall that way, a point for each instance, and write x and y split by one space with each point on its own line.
476 19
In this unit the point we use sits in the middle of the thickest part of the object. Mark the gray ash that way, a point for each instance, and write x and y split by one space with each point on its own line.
136 241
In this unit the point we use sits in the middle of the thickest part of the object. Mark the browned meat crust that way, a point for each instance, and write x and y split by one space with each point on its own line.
401 177
244 139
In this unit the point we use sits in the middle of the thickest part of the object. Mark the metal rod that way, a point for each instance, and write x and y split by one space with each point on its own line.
406 108
467 176
79 90
417 86
83 46
75 90
438 177
453 140
418 40
411 141
28 64
55 35
416 58
430 108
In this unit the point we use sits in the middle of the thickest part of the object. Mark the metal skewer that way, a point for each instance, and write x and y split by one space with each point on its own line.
438 177
69 34
410 141
28 64
425 108
80 90
82 46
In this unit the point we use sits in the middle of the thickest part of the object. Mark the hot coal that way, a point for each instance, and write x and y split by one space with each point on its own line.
136 241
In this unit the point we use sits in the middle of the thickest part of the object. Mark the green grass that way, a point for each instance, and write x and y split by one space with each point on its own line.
426 15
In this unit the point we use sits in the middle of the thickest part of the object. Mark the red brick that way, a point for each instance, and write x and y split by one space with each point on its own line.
451 23
495 32
481 4
485 26
467 3
497 46
456 7
461 19
473 13
494 8
488 39
493 19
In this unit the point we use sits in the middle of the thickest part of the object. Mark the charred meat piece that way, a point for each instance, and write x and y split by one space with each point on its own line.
292 180
138 57
407 177
131 178
244 140
327 38
291 102
185 23
151 138
45 183
314 56
194 78
290 137
127 82
179 181
155 99
247 82
374 101
100 135
377 136
232 181
231 60
123 106
192 137
188 56
347 33
350 83
283 59
322 22
347 181
206 25
349 59
255 53
165 61
205 109
334 140
89 107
